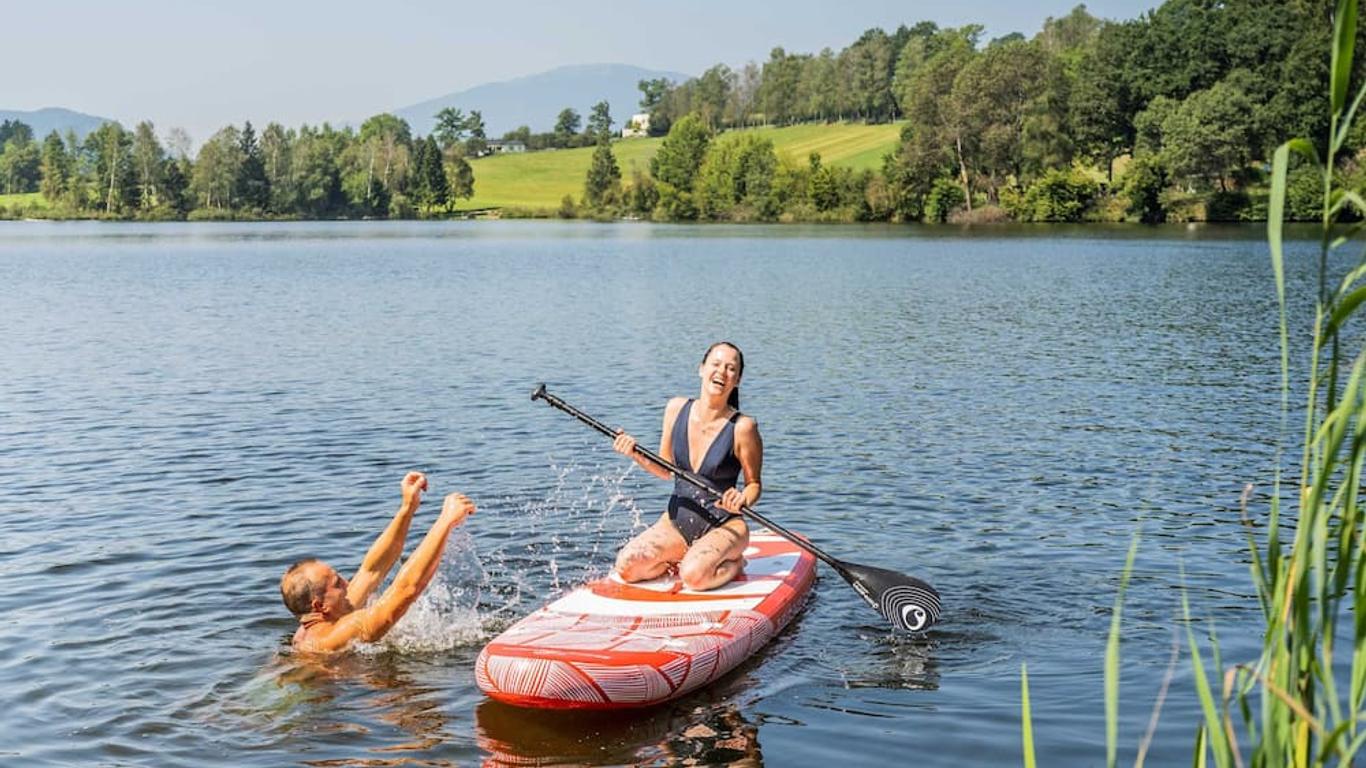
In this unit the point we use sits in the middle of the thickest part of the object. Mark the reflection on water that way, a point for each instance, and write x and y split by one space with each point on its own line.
706 729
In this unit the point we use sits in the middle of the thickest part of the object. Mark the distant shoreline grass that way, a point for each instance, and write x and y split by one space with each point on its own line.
537 181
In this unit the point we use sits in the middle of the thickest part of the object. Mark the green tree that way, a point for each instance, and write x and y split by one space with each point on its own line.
1142 184
174 192
253 186
868 65
652 96
214 181
377 164
736 178
778 92
822 90
17 130
450 127
477 145
56 168
1102 103
1209 135
315 162
431 188
110 147
675 165
713 91
148 164
566 126
277 154
20 164
459 177
991 96
931 142
603 184
600 120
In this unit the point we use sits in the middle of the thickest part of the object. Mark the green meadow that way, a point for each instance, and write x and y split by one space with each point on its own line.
540 180
26 200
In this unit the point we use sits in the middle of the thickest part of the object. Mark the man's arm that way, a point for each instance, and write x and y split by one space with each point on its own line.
370 624
386 549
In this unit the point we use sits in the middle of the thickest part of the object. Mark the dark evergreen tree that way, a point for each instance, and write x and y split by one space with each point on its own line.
602 187
253 187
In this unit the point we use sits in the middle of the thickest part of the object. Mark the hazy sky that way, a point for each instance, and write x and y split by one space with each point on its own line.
200 65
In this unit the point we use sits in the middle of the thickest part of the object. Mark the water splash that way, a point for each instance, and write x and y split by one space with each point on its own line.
568 537
446 615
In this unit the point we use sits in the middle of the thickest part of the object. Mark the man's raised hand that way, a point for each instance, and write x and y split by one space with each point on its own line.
414 483
456 509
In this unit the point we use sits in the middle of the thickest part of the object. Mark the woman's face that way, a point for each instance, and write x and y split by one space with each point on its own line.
720 372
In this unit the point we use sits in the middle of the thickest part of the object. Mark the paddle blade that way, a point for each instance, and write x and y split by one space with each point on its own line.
909 603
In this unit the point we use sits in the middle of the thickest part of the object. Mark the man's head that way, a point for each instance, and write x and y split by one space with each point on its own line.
312 586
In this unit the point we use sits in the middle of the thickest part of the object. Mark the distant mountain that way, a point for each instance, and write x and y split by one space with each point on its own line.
536 100
45 121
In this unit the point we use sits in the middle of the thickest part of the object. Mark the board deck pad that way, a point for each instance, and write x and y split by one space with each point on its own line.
613 645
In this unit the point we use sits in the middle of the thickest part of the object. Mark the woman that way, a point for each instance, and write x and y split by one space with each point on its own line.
710 437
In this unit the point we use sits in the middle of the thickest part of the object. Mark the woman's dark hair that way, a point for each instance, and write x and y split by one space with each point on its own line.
734 399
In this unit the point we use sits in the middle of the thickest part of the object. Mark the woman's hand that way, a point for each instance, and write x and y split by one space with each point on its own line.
731 501
624 444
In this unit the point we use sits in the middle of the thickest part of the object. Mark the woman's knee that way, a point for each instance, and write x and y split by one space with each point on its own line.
697 573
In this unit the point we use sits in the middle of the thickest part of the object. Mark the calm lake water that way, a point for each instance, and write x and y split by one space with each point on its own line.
186 409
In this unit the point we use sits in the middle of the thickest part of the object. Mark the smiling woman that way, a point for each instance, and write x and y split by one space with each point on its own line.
710 437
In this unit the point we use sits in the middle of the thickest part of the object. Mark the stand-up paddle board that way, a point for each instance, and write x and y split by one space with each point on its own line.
613 645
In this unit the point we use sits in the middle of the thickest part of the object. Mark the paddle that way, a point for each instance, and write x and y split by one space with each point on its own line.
907 602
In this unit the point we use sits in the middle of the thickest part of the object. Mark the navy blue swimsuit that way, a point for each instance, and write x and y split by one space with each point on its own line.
691 511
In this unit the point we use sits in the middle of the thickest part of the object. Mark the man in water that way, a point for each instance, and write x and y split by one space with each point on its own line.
325 603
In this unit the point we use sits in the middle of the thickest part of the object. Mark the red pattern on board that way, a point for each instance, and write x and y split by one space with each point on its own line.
603 661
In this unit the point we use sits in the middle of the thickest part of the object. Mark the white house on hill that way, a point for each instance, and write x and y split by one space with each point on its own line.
638 125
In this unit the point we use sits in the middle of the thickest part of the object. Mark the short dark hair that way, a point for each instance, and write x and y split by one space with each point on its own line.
298 593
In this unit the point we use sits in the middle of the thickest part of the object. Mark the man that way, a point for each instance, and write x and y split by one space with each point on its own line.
326 604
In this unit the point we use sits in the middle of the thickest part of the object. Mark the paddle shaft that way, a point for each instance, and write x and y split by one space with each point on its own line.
689 477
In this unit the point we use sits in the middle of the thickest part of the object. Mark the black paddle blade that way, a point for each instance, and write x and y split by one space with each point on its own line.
538 392
909 603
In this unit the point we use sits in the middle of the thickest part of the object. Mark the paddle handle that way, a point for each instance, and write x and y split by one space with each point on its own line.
689 477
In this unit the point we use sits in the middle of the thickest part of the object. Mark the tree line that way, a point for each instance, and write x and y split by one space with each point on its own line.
380 170
1169 115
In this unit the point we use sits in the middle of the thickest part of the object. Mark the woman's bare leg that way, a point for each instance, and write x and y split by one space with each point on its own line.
716 557
651 552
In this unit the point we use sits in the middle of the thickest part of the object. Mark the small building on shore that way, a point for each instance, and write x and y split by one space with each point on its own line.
637 126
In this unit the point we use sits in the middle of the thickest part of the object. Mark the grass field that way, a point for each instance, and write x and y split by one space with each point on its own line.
29 200
542 179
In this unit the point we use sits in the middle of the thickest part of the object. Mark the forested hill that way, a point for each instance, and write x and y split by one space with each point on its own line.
44 121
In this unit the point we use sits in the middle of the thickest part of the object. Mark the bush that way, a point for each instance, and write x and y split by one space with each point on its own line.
1304 194
567 209
945 195
1143 182
1228 206
1058 195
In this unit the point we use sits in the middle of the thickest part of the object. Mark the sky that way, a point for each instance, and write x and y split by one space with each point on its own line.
203 65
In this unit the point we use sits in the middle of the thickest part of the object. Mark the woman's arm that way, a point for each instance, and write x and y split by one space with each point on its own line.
749 449
626 444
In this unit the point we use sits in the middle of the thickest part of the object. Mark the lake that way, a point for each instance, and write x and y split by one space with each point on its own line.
189 408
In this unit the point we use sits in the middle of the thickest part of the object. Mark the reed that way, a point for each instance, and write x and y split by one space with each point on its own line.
1287 707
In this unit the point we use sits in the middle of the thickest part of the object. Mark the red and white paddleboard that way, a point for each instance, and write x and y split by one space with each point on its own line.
613 645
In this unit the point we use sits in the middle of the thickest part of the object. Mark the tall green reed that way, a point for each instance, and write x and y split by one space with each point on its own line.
1288 701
